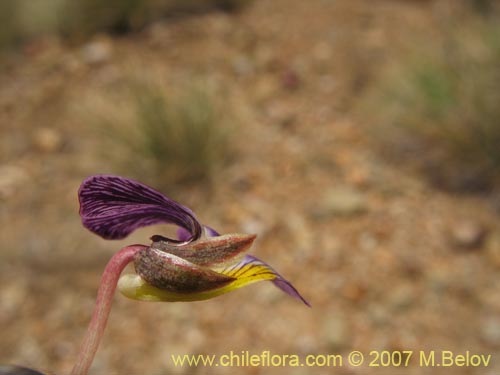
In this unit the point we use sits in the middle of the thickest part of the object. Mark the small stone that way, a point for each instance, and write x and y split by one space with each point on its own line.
401 297
323 51
243 66
30 350
13 296
47 140
96 52
342 201
490 331
300 234
379 314
367 241
250 225
336 332
11 179
467 235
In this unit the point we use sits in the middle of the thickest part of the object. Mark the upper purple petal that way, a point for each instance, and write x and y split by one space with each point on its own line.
113 207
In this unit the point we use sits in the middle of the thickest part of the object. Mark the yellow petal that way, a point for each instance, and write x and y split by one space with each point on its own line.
135 287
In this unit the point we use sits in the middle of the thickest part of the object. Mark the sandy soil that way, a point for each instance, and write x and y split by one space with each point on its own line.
387 261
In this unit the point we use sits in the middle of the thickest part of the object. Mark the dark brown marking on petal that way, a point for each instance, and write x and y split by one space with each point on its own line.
208 251
169 272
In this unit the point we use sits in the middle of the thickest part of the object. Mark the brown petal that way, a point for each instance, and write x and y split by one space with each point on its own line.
208 252
172 273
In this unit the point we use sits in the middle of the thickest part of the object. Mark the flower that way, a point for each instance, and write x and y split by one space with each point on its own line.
199 264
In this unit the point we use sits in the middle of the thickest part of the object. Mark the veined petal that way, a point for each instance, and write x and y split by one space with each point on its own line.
171 273
243 273
113 207
250 269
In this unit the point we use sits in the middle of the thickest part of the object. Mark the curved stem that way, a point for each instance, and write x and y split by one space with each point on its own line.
105 294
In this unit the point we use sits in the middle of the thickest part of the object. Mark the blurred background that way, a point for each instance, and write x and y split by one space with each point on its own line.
358 139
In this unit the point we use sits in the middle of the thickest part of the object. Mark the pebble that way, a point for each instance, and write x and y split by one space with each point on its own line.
306 344
11 179
30 350
47 140
255 226
341 201
323 52
242 65
367 241
301 234
490 331
13 296
401 297
336 333
96 52
467 234
379 314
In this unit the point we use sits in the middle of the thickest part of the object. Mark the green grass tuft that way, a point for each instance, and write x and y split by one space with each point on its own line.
170 139
445 101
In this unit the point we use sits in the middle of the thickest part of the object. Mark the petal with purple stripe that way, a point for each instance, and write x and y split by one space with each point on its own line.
251 269
245 272
113 207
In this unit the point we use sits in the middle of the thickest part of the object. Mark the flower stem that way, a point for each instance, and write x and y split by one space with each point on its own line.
104 300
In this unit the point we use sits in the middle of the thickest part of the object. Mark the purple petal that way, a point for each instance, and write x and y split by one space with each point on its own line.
113 207
289 289
279 281
210 232
182 234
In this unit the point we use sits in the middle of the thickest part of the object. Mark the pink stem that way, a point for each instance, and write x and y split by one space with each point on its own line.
104 300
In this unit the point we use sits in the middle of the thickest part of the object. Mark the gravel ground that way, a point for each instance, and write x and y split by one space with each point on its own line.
387 261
